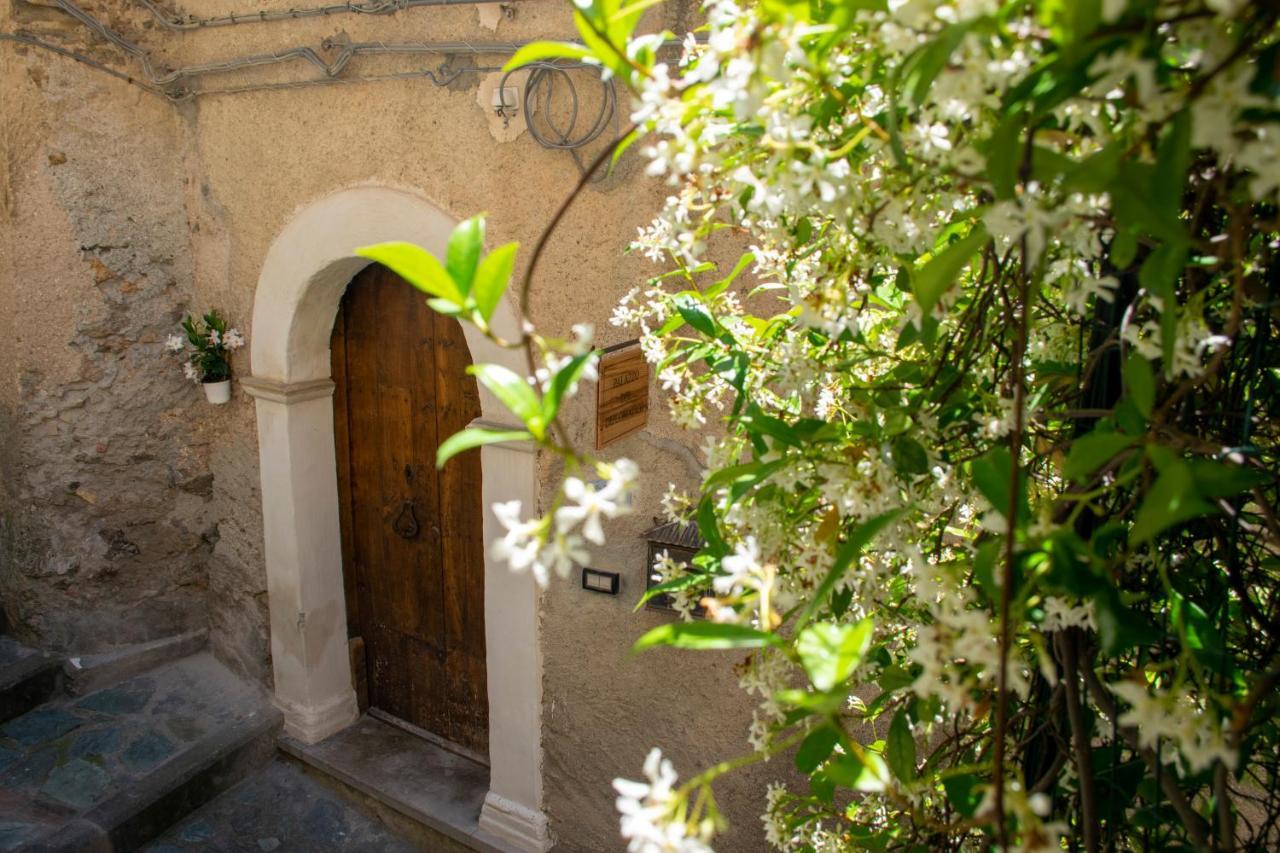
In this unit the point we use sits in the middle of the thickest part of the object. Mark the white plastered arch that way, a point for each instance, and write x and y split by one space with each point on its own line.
303 277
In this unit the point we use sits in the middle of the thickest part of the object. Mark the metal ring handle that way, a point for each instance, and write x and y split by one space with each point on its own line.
406 524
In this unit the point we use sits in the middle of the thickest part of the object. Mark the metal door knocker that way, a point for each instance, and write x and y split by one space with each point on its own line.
406 524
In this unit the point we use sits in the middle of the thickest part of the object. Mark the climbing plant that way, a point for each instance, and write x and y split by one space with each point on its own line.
990 406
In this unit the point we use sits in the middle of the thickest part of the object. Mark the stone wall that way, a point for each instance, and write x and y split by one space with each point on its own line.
123 210
105 533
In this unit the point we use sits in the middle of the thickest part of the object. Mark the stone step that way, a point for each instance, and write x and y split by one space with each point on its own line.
28 677
86 673
112 769
403 777
283 808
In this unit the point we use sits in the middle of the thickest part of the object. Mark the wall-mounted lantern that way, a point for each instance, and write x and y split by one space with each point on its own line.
680 542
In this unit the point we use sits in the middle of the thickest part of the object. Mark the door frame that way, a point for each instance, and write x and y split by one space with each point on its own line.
304 274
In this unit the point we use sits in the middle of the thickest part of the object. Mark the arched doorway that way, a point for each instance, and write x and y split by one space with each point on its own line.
412 542
304 275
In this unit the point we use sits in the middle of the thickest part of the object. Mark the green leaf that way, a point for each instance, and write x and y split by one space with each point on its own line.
984 568
544 51
447 307
1201 636
695 313
1159 274
704 635
894 678
831 652
901 748
602 50
1142 383
908 456
475 437
742 476
1002 154
815 748
1173 156
623 144
513 391
759 422
1119 627
694 579
632 10
862 772
709 527
723 284
822 787
1124 249
415 265
1219 480
851 548
465 245
938 275
811 701
1172 500
962 792
492 277
927 63
1091 450
992 473
1070 568
564 379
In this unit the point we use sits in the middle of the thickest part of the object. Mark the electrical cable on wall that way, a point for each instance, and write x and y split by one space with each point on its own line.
172 21
546 79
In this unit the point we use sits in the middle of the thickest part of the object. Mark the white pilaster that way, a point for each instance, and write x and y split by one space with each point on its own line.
304 552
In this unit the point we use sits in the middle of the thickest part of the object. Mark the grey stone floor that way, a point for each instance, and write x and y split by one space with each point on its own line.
63 758
280 809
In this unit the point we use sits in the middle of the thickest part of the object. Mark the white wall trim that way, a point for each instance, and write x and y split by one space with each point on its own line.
303 277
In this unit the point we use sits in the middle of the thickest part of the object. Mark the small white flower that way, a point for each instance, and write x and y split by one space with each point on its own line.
519 547
647 808
175 343
1059 614
189 371
741 568
562 553
582 335
233 339
590 505
215 337
932 138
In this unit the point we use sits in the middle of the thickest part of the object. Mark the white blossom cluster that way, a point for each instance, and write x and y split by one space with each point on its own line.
555 543
732 131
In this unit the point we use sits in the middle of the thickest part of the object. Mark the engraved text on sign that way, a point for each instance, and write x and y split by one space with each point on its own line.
622 406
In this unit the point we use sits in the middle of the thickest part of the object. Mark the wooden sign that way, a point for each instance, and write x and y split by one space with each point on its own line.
622 401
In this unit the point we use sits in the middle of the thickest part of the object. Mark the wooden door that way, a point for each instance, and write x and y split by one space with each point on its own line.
413 548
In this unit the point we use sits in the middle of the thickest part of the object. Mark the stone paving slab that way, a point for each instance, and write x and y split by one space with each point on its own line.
74 757
280 810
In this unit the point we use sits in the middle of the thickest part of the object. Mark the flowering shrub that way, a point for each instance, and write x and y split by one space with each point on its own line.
208 359
992 435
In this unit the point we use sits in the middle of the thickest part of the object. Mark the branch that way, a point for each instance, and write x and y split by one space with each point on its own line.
1067 642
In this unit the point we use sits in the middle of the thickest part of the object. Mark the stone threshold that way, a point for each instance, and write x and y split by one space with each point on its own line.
410 775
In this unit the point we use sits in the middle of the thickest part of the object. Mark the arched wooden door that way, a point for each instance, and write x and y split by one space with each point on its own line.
413 547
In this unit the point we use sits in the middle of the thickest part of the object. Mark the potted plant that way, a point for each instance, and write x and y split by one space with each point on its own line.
208 359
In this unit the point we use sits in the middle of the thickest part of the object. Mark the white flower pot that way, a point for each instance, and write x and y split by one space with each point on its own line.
218 392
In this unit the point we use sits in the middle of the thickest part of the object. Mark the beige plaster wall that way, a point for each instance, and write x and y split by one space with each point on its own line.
203 189
105 529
